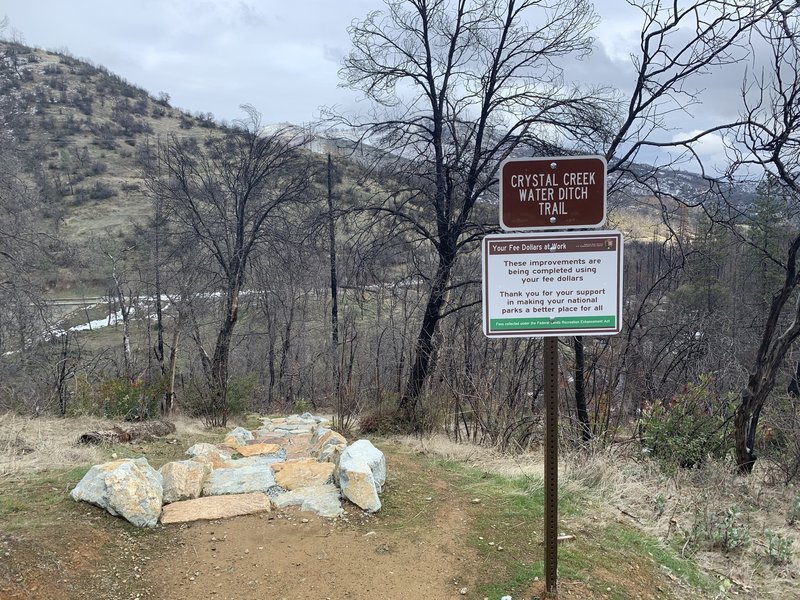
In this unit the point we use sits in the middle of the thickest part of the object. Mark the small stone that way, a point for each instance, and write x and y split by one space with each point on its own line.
463 591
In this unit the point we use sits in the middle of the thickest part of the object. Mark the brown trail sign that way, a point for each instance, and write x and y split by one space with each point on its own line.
560 192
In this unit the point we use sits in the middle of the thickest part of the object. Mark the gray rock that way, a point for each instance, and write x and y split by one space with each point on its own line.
318 433
130 488
323 500
364 450
292 429
183 480
241 435
239 480
262 460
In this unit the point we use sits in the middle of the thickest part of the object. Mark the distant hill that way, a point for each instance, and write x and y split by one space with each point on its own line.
79 127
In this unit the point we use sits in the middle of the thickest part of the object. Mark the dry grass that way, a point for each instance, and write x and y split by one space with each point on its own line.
35 444
489 460
619 485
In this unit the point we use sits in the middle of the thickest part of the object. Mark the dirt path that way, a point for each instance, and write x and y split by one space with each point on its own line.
413 549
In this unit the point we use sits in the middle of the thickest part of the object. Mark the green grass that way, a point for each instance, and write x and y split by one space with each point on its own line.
510 515
37 500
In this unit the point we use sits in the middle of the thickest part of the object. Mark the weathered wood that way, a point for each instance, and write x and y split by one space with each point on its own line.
139 431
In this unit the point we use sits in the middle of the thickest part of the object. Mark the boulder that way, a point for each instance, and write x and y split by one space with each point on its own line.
323 500
328 445
130 488
215 507
358 485
361 474
302 473
239 480
364 450
252 461
255 449
238 437
183 480
217 457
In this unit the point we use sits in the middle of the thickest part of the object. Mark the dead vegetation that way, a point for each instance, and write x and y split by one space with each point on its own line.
738 529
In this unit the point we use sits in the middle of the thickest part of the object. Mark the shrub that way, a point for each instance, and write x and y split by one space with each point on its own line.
793 514
381 421
196 400
779 548
714 529
729 533
101 191
778 437
130 400
691 427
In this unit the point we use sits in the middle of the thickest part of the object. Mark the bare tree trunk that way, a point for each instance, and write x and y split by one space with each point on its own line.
169 392
580 390
769 358
218 384
337 378
425 347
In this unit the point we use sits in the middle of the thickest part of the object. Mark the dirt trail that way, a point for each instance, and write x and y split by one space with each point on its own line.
296 555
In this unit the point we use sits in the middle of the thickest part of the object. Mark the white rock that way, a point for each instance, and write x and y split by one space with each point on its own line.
130 488
323 500
361 473
364 450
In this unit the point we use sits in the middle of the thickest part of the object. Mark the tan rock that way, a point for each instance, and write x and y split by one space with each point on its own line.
328 446
183 480
358 486
215 507
216 456
231 442
298 447
257 449
302 473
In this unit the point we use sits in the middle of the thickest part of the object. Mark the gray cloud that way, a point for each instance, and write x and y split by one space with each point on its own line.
283 57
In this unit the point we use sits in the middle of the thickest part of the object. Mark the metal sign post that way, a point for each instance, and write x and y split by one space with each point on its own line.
552 283
551 466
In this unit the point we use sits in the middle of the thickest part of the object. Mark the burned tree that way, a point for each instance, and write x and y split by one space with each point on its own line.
224 193
459 86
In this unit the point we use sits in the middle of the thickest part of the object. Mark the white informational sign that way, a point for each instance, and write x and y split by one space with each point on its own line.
550 284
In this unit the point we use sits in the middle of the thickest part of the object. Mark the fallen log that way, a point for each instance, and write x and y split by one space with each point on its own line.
146 430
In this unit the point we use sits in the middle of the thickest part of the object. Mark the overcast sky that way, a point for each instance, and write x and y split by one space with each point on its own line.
281 56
